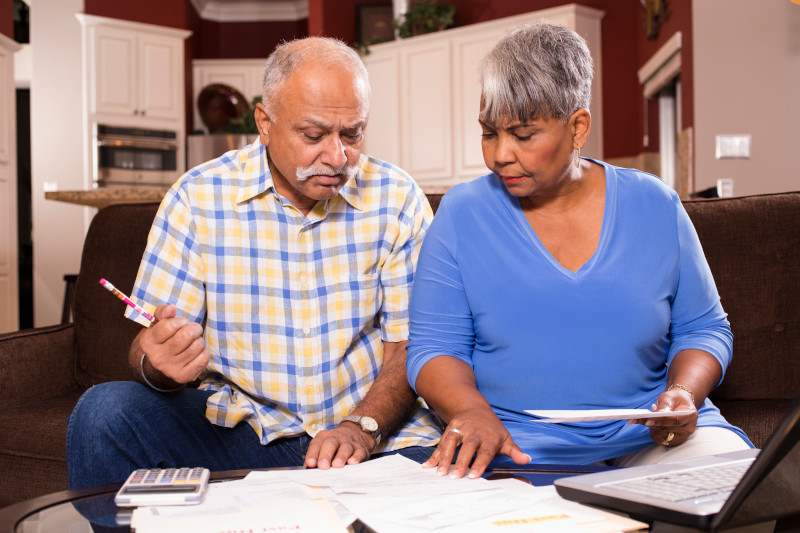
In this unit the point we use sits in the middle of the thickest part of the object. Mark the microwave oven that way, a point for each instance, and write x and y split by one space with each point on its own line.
135 157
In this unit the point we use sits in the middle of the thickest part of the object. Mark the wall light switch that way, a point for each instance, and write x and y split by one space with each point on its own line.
733 146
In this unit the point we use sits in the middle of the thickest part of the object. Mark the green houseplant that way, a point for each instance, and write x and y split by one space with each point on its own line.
425 16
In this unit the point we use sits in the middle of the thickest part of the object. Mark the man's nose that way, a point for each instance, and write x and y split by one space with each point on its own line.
334 152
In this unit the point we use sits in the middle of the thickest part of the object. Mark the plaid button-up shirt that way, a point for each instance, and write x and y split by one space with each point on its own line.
296 307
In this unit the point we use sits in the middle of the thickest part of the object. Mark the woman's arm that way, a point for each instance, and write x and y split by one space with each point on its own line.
692 375
448 385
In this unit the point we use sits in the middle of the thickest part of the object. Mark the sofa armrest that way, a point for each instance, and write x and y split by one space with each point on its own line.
36 364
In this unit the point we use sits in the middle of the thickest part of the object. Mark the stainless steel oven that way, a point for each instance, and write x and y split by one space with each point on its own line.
135 157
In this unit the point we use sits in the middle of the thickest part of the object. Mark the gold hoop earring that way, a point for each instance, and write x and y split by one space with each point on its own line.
578 159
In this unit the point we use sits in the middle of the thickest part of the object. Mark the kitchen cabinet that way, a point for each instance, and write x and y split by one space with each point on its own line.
9 277
425 95
134 71
133 78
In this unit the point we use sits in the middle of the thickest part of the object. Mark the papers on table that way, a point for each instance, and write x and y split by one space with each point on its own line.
390 495
588 415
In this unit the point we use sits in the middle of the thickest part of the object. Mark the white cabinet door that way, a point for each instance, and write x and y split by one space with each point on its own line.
113 70
160 75
9 278
426 111
134 73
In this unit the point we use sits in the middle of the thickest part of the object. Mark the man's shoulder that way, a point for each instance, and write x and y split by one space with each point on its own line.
222 176
380 182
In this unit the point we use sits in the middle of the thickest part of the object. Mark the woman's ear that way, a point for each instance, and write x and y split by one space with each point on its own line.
263 123
580 123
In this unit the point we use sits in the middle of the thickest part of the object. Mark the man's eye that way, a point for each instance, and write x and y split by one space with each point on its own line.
313 137
353 136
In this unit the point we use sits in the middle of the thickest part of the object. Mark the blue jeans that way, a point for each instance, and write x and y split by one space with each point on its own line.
120 426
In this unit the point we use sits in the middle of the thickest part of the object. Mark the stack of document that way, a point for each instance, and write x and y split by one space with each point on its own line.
390 495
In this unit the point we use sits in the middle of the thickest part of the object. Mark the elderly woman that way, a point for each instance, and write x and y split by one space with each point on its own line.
560 282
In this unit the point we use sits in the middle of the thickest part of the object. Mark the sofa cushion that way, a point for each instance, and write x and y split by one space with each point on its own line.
113 250
753 248
32 447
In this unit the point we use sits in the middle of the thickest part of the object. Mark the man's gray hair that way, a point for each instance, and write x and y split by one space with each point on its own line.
537 68
287 56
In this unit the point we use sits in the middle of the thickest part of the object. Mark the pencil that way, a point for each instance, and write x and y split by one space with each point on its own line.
121 296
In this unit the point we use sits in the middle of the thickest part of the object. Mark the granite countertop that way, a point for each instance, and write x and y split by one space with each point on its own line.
104 197
100 198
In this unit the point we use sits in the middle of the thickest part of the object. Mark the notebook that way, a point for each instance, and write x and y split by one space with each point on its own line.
758 486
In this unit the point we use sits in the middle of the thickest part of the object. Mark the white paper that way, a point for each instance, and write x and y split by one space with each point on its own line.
588 415
390 475
265 502
515 507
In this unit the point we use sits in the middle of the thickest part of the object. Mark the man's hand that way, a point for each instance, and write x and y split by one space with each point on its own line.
334 448
174 346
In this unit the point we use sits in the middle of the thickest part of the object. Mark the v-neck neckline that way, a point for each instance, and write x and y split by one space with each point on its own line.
609 208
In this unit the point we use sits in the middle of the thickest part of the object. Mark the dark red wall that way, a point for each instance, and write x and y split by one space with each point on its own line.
173 13
7 18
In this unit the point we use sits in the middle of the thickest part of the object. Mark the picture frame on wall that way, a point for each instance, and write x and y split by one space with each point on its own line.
374 23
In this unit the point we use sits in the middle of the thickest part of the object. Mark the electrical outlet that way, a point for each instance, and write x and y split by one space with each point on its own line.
725 188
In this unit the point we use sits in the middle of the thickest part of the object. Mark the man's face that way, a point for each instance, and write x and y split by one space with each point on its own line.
314 138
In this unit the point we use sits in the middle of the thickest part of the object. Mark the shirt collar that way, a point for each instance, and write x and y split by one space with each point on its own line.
256 177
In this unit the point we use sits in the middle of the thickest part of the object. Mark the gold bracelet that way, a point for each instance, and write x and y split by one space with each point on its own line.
683 388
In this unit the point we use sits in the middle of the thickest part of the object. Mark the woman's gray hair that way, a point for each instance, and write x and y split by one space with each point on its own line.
287 56
537 68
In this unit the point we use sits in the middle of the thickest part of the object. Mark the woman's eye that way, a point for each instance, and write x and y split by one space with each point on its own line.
488 135
523 137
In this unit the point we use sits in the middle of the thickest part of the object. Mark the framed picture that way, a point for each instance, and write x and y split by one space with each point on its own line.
374 23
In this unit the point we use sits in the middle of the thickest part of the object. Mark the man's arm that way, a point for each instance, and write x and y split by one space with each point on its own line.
388 401
176 353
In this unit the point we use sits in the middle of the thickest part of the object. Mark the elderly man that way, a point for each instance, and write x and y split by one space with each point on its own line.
279 277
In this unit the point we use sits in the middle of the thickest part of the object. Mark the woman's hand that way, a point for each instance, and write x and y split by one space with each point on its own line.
482 436
672 430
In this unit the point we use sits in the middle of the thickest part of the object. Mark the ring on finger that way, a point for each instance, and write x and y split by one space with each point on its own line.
455 430
668 439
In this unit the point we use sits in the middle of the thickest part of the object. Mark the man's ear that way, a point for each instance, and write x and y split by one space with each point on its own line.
580 123
263 123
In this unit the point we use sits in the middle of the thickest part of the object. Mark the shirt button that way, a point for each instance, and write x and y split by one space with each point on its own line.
303 278
306 331
309 381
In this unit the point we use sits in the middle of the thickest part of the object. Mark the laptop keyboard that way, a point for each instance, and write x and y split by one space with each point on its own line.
686 484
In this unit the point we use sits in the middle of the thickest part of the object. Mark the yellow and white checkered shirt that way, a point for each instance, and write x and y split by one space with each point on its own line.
295 307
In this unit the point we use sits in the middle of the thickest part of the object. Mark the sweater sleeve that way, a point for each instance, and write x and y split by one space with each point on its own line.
698 320
440 317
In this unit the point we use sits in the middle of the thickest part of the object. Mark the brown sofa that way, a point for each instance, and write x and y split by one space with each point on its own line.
752 245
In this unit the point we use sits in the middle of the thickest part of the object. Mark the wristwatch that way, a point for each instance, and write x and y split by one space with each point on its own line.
367 424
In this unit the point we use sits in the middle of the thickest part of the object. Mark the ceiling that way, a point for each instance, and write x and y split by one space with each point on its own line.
251 10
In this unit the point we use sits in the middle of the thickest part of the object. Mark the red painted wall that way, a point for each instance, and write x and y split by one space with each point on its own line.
173 13
7 18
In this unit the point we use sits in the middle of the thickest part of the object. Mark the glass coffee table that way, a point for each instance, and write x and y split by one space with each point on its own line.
92 510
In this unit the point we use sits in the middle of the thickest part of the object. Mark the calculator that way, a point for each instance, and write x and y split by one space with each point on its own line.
163 486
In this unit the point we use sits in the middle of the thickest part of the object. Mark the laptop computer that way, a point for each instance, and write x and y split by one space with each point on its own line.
768 485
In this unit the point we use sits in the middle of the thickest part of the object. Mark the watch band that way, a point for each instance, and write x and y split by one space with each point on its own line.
367 424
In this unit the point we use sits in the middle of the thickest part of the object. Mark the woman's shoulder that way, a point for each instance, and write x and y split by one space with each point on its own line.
639 185
474 193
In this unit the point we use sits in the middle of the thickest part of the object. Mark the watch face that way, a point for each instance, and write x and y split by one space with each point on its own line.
369 424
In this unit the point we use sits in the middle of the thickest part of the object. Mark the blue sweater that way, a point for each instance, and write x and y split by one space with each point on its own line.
539 336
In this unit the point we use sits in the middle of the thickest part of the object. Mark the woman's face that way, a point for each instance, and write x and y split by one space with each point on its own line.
533 157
